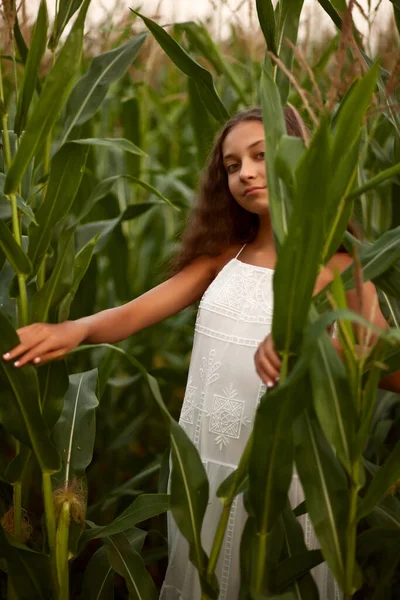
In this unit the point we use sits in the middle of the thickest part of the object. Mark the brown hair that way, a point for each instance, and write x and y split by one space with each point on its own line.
217 221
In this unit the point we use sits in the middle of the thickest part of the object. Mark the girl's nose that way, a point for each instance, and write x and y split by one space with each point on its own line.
247 170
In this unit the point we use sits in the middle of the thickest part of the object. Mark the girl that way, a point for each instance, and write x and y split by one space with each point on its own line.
227 259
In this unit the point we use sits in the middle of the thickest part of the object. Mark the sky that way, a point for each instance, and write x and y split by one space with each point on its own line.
223 11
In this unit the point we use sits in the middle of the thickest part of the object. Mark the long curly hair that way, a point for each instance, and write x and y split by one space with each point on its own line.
217 221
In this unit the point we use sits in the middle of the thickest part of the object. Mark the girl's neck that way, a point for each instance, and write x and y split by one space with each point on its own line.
264 240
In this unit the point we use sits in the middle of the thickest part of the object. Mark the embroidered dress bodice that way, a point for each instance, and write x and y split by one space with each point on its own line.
222 394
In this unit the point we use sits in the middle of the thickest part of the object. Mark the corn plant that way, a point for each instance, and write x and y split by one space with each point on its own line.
80 204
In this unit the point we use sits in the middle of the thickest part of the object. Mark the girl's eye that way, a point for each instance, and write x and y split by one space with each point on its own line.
261 155
232 168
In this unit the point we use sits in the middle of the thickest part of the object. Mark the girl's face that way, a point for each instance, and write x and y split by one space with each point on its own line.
243 157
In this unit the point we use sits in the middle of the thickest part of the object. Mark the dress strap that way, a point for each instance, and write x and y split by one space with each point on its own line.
240 251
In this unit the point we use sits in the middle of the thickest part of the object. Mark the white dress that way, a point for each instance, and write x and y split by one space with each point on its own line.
222 394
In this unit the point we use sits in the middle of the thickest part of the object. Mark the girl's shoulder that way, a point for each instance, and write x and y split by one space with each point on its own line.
222 259
339 261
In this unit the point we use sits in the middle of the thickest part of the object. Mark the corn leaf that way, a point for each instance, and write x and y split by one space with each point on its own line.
20 408
65 177
55 91
14 253
75 430
66 10
31 71
266 17
91 89
189 67
325 488
60 280
128 563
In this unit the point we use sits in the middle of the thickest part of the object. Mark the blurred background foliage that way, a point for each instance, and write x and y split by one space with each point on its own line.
156 106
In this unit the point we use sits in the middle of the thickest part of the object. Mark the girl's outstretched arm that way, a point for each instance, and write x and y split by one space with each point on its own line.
41 342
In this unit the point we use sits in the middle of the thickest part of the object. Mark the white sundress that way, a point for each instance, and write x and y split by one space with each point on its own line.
222 394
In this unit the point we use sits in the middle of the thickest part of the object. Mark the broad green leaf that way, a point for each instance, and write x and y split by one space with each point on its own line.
81 265
53 382
105 186
332 399
28 571
128 563
325 488
13 251
91 89
75 430
65 176
189 67
351 115
202 126
98 581
111 143
60 280
288 154
66 10
86 232
295 569
19 407
200 38
55 91
288 20
274 128
5 205
386 513
189 488
372 183
16 467
141 509
271 461
384 478
300 255
266 17
31 70
330 10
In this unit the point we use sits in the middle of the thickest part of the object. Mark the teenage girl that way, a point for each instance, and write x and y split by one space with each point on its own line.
227 262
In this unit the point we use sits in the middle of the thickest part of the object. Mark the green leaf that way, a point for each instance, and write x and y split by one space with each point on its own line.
81 265
372 183
60 280
325 488
86 232
386 513
51 100
65 177
91 89
330 10
53 382
384 478
31 70
144 507
28 571
351 114
98 581
66 10
189 67
266 17
112 143
300 255
14 253
106 185
288 154
274 128
19 407
128 563
288 21
295 569
74 432
203 129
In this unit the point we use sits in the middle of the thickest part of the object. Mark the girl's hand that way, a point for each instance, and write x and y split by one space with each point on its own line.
41 342
268 363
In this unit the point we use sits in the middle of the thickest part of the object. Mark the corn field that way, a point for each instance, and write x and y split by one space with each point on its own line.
104 136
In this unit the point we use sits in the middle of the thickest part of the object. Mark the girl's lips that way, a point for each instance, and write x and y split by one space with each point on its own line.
251 190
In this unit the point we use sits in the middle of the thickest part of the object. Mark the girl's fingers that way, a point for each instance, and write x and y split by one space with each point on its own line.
37 351
266 371
47 356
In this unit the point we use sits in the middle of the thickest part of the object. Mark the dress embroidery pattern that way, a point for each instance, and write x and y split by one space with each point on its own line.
189 406
227 417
